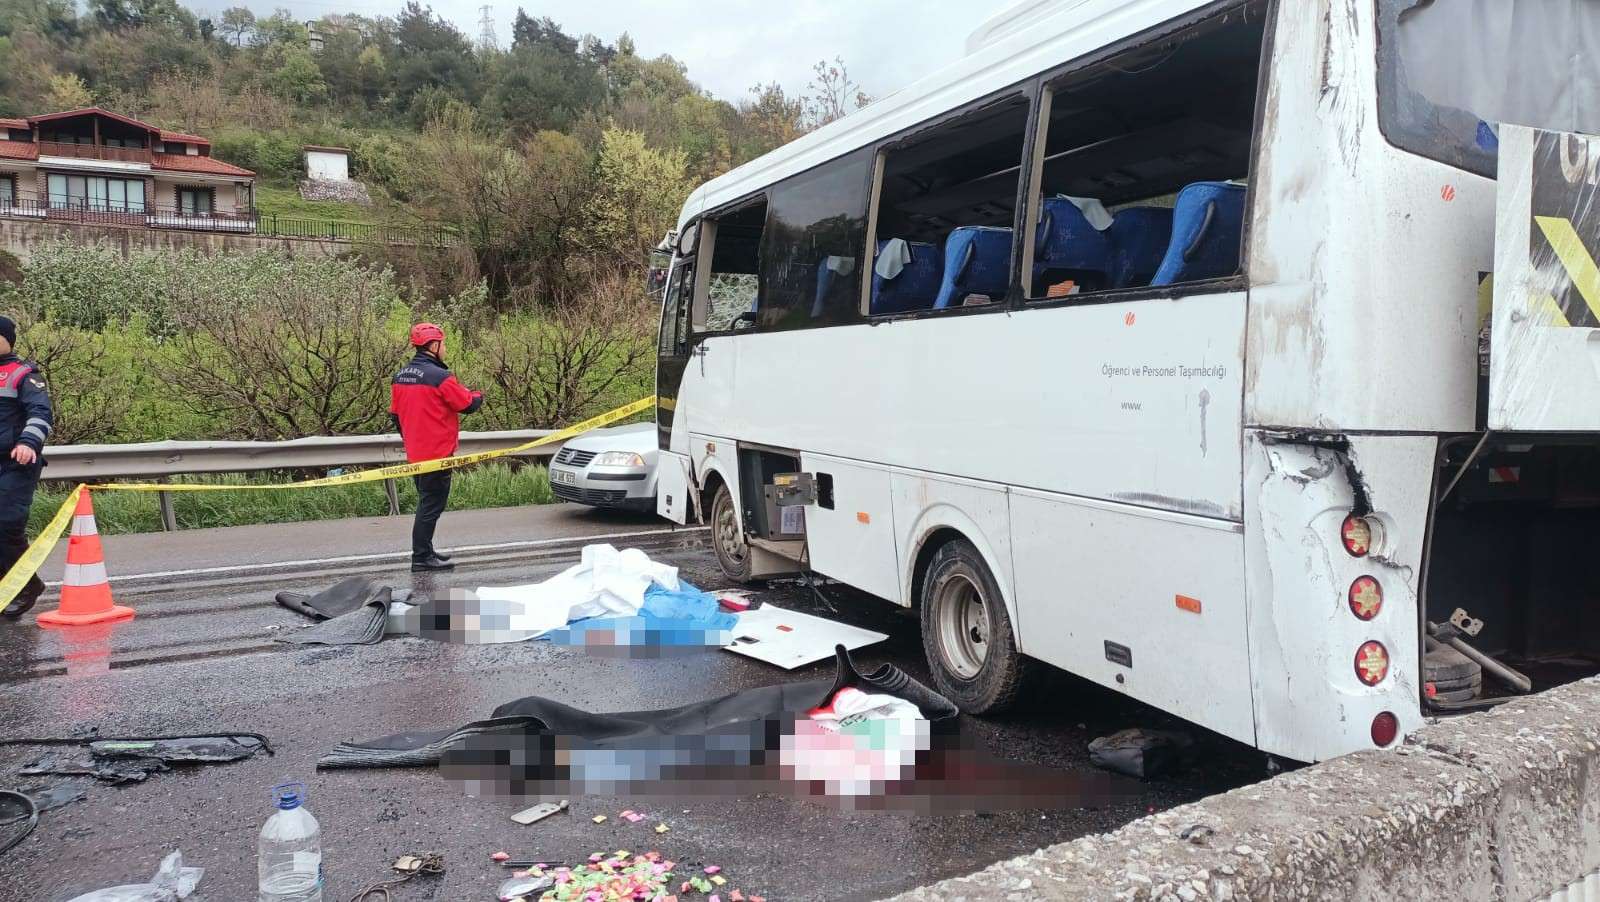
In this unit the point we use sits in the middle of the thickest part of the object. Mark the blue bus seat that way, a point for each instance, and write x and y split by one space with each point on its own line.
977 260
1207 228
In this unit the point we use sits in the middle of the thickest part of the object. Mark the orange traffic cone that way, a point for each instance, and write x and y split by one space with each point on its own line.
85 592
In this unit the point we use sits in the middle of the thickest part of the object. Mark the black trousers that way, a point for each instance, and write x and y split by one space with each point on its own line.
433 493
16 499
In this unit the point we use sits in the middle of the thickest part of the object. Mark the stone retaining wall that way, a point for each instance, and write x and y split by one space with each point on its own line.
1502 805
21 236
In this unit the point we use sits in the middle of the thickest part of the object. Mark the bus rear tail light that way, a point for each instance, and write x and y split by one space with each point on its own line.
1372 663
1385 727
1356 533
1366 597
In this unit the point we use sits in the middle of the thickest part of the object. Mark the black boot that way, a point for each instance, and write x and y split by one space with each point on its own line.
432 562
26 599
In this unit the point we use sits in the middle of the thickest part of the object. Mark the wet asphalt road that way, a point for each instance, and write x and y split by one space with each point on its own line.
204 659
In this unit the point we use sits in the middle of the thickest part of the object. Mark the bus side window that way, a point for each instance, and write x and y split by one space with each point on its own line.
732 284
1140 164
946 208
812 246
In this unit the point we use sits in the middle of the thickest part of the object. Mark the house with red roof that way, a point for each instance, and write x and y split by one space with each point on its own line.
96 165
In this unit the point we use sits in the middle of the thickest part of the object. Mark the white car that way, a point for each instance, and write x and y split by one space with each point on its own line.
614 468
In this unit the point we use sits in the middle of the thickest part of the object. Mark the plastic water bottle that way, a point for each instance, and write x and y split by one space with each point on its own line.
289 852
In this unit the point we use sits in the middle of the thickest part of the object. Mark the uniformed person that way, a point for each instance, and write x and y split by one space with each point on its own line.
426 402
25 420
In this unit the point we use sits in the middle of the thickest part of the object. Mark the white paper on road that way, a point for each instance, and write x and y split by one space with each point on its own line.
604 583
790 639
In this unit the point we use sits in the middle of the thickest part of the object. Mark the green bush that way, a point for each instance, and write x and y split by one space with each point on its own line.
271 155
262 346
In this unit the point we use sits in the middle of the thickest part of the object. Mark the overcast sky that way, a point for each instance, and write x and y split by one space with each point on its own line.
729 45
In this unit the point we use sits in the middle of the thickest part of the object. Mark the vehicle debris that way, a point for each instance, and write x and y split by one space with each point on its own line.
134 759
791 639
1141 753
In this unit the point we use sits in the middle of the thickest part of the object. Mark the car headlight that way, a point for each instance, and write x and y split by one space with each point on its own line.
619 459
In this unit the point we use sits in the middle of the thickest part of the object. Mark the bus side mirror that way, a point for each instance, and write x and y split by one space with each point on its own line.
749 316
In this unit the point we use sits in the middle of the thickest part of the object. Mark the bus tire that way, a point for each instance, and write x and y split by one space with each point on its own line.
727 536
966 633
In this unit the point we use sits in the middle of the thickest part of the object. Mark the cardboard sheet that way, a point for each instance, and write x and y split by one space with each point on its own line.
790 639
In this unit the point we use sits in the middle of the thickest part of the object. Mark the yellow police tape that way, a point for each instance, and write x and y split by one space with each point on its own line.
34 557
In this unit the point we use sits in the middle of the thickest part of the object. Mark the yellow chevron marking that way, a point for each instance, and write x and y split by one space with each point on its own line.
1574 257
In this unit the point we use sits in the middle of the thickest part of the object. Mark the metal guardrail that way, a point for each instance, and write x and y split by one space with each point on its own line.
161 460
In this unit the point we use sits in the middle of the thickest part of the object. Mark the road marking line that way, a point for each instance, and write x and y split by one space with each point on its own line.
499 546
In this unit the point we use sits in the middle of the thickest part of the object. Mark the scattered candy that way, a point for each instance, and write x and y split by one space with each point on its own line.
736 896
719 879
632 817
501 856
714 869
662 828
599 819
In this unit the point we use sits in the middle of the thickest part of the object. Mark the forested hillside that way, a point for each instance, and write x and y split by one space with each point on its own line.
555 156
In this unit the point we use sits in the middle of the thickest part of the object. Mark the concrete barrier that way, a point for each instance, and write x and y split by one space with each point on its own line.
1502 805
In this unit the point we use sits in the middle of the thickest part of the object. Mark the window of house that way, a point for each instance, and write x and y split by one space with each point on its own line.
1140 166
734 281
96 194
812 245
195 201
8 190
946 211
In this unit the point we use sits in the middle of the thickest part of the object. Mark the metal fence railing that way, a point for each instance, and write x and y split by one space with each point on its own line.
138 215
162 460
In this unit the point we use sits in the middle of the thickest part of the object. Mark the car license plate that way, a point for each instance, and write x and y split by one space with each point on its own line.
563 477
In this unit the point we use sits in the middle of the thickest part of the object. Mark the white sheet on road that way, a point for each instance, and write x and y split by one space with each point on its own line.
605 582
790 639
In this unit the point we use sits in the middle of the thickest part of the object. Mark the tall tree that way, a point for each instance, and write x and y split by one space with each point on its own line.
236 23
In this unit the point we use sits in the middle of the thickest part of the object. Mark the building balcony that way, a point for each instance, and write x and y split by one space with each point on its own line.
139 155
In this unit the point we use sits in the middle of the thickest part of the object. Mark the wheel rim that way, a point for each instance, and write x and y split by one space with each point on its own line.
963 626
730 538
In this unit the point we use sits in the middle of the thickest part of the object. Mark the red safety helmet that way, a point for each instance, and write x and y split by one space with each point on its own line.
422 333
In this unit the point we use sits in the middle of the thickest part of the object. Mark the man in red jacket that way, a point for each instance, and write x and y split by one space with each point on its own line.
426 402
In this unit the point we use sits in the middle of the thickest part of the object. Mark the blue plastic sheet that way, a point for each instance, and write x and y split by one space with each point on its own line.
686 617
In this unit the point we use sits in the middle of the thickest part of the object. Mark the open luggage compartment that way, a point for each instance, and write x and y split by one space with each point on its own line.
1513 544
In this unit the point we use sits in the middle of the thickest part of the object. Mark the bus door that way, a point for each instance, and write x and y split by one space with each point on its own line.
672 358
1544 335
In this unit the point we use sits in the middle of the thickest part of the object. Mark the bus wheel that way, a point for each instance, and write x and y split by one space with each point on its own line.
727 536
966 634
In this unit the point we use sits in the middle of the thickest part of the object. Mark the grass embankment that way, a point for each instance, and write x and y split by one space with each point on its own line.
286 202
486 485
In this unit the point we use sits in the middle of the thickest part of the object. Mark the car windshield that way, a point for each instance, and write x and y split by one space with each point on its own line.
1451 71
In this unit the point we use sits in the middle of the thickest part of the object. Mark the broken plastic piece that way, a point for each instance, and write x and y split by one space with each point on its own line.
519 887
171 881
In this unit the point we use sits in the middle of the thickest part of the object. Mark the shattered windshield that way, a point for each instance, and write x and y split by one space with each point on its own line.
1451 71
